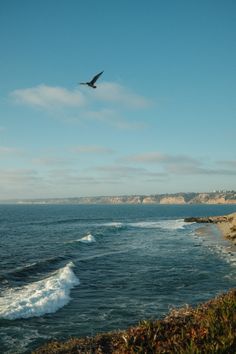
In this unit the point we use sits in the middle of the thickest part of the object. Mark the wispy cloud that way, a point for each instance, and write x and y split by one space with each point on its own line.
157 157
45 96
113 92
121 171
10 151
228 163
113 118
50 161
92 149
183 169
107 104
180 164
49 97
17 177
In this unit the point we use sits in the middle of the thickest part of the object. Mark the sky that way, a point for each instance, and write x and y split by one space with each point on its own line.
161 120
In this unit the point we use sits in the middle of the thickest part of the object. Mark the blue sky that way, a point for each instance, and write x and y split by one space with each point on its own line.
162 119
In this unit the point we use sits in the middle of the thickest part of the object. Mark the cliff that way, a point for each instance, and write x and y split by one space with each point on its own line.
218 197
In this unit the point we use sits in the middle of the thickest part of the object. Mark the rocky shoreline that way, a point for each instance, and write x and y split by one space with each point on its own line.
225 223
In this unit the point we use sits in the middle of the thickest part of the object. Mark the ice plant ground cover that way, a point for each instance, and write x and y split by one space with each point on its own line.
208 328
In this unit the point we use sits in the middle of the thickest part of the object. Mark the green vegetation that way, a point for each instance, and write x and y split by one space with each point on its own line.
209 328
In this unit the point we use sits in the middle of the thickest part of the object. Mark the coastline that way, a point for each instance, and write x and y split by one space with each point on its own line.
225 223
228 228
182 330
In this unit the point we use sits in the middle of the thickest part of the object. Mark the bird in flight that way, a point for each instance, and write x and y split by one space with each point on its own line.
92 82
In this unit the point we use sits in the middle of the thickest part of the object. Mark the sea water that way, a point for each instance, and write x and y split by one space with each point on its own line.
77 270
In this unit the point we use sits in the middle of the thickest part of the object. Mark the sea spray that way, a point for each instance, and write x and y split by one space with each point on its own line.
39 298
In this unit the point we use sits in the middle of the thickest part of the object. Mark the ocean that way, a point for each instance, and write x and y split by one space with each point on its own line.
78 270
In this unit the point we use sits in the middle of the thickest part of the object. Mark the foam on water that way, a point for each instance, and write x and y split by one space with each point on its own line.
114 224
87 239
226 253
162 224
39 298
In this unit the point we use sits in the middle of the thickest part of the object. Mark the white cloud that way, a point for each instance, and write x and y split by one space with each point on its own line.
106 104
52 96
49 97
113 92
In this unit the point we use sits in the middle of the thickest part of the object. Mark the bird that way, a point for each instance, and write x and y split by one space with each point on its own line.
92 82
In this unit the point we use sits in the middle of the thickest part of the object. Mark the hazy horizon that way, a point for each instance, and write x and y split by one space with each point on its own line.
216 192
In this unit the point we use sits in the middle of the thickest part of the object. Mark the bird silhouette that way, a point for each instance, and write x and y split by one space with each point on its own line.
92 82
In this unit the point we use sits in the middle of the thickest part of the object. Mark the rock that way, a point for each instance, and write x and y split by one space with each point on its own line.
199 219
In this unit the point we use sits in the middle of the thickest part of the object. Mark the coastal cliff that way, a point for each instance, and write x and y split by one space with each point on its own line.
216 197
226 224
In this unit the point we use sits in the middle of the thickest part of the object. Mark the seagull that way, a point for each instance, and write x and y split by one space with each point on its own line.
92 82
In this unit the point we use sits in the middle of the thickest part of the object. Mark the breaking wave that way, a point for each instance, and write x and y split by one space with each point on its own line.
39 298
114 224
87 239
28 270
162 224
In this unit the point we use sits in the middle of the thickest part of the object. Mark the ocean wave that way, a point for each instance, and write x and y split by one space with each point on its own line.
114 224
162 224
28 270
87 239
226 253
39 298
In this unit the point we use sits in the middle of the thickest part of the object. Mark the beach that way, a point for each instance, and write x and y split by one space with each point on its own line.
225 223
228 227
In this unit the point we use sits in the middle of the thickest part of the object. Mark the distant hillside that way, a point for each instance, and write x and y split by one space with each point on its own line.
218 197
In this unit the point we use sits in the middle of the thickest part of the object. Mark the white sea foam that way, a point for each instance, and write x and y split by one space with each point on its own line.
87 239
114 224
226 253
162 224
39 298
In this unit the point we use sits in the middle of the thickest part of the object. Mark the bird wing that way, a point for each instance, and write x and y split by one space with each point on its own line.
94 79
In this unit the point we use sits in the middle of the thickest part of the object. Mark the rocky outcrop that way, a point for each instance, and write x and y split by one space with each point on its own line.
207 219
